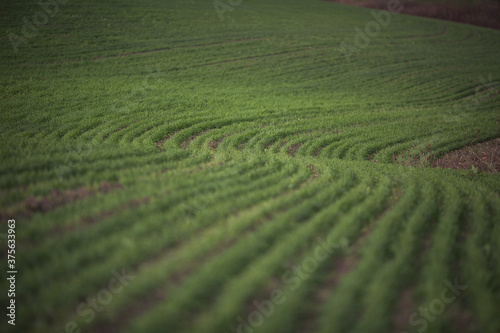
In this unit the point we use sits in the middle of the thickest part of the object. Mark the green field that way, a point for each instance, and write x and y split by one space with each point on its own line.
238 169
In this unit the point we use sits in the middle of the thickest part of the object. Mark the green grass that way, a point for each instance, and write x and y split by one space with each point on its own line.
237 144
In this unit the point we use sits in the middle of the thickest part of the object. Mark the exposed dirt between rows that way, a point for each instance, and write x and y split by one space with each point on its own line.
58 198
318 151
483 157
282 144
268 145
461 319
404 308
185 144
406 304
485 13
160 143
158 294
143 303
340 267
293 149
89 220
215 144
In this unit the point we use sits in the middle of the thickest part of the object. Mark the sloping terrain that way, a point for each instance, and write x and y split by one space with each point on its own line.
179 167
484 13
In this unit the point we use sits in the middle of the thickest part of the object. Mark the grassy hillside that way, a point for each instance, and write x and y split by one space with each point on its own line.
175 168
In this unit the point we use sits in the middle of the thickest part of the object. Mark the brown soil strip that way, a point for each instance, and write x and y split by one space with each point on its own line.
160 294
143 303
317 152
483 13
269 144
57 198
404 308
160 143
483 157
147 301
294 148
315 174
273 282
341 267
460 319
282 144
89 220
215 144
185 144
405 305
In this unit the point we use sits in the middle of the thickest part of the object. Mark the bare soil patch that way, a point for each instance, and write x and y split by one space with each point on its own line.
58 198
483 157
485 13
